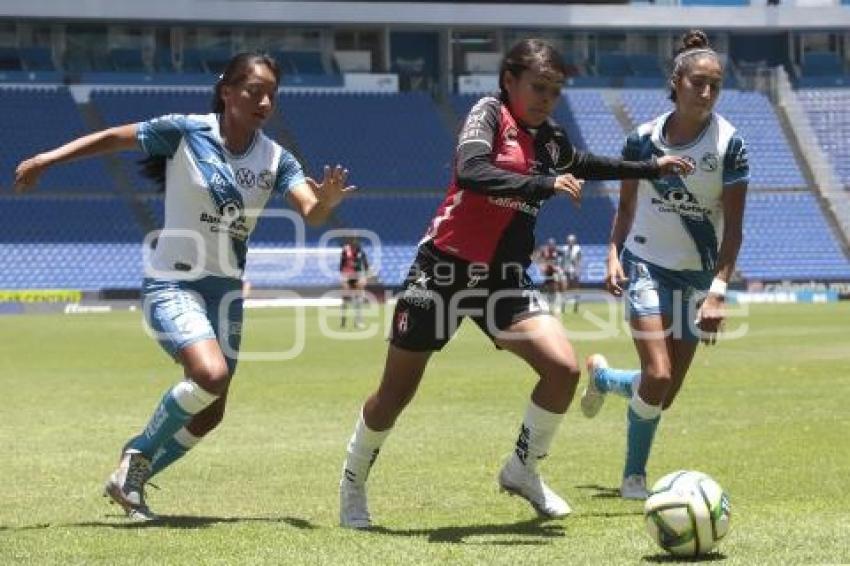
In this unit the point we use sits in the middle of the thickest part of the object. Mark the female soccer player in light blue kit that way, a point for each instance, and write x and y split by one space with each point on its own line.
219 171
676 239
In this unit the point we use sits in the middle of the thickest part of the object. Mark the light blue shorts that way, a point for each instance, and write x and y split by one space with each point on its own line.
181 313
674 295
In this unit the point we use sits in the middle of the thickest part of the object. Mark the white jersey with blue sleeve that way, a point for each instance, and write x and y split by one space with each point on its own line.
213 197
678 221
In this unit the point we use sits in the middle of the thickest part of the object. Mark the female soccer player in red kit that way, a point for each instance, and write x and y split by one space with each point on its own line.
510 158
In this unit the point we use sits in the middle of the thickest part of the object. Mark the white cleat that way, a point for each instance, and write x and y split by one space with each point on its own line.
592 399
353 506
516 479
126 486
634 487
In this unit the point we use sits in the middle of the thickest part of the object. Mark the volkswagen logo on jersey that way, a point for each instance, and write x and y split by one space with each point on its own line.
230 211
245 178
708 162
265 180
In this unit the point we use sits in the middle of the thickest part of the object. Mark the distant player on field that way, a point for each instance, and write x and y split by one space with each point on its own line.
219 170
676 239
353 271
570 259
510 158
549 264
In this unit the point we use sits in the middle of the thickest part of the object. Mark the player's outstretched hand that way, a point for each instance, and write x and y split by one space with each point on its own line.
674 165
570 186
710 318
28 172
333 188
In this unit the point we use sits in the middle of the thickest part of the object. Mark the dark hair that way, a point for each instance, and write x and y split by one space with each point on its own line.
530 54
237 69
694 41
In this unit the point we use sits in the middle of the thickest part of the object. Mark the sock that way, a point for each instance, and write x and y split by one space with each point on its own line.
358 312
623 382
343 308
177 407
642 421
173 449
536 432
363 448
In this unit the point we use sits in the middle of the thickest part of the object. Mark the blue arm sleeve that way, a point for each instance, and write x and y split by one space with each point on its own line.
161 136
289 173
736 166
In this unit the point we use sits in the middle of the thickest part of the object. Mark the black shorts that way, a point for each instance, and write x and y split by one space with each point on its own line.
441 290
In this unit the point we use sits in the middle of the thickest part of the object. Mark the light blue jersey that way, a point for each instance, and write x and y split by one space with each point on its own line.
678 221
213 197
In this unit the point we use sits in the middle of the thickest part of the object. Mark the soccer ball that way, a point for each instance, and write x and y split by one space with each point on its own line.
687 513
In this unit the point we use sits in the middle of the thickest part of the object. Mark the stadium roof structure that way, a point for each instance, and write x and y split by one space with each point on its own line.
438 14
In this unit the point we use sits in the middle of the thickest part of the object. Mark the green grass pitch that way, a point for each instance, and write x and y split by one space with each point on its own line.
766 415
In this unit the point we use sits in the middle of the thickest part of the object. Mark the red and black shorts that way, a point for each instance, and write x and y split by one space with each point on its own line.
441 290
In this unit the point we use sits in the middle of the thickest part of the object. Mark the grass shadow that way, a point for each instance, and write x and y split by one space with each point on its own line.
171 522
665 558
538 529
602 492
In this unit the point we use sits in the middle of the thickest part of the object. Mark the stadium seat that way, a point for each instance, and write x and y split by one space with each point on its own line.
37 58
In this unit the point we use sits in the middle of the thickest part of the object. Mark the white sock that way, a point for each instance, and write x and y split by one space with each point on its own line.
535 435
643 409
363 448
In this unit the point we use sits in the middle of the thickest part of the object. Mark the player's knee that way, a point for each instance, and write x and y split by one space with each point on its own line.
657 373
211 375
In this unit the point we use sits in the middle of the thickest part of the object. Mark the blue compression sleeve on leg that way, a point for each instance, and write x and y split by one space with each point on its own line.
642 422
619 381
177 407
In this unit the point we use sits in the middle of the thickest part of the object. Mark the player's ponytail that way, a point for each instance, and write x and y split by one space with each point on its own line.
694 44
239 66
535 54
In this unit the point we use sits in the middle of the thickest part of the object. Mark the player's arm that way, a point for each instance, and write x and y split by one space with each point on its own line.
736 175
622 224
734 202
474 159
597 167
119 138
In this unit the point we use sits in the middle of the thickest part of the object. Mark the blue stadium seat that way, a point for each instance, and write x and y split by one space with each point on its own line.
128 60
10 60
413 150
37 58
42 118
66 242
821 64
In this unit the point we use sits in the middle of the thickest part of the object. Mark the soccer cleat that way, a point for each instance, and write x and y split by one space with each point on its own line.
516 479
126 486
592 399
634 487
353 506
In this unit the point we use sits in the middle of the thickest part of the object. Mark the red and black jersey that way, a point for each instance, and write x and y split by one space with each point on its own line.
503 173
353 259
